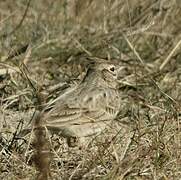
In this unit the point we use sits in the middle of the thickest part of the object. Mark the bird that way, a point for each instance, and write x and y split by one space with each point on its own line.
88 108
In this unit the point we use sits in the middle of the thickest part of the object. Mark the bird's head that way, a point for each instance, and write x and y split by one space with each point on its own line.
106 73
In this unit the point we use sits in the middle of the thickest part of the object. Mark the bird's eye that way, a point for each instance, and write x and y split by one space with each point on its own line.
112 69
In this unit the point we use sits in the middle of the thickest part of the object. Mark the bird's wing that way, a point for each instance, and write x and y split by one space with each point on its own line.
90 107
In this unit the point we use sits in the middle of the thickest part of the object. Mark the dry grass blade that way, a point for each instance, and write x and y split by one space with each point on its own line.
166 61
148 71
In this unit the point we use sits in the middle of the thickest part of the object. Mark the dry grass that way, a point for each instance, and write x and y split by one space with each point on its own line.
61 36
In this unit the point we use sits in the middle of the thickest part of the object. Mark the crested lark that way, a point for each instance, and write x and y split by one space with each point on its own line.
89 107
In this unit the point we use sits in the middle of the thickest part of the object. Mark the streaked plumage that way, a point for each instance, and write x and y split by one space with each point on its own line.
87 108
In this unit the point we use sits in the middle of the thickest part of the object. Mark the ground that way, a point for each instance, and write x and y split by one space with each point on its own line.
46 47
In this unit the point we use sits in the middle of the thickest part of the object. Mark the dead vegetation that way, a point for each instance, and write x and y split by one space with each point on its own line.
49 52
